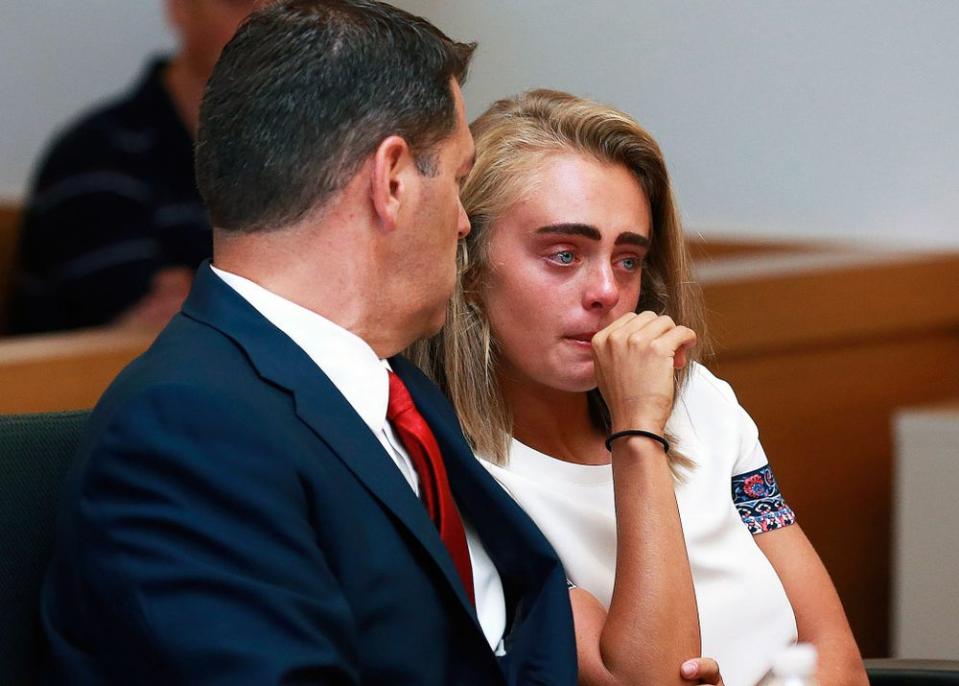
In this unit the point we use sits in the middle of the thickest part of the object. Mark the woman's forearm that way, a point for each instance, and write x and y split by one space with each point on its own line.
839 662
820 618
653 624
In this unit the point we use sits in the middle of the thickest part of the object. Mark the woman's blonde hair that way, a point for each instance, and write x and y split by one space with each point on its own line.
512 138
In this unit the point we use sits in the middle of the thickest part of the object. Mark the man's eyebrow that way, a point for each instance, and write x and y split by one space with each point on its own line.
592 233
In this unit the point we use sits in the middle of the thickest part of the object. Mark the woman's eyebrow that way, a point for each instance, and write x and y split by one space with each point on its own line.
585 230
630 238
592 233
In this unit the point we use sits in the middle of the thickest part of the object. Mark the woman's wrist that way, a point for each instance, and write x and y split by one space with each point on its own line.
626 434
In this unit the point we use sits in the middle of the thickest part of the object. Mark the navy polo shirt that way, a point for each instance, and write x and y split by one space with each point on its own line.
113 202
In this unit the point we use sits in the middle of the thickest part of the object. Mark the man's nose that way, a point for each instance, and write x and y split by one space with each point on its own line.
463 225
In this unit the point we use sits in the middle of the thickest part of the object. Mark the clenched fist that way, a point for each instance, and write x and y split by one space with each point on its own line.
635 358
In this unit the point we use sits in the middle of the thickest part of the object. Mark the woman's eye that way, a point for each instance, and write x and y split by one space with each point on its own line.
632 264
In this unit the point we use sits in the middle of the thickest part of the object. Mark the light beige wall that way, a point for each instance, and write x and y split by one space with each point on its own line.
58 57
925 605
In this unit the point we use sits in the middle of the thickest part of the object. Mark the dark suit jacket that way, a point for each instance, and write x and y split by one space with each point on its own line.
232 520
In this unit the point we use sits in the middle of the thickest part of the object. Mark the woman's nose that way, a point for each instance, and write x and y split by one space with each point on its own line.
602 290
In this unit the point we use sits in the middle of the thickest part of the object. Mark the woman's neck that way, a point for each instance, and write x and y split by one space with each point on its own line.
555 423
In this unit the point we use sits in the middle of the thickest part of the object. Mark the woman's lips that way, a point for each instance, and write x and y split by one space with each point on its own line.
583 340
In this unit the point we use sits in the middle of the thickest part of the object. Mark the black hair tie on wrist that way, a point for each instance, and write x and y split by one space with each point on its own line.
636 432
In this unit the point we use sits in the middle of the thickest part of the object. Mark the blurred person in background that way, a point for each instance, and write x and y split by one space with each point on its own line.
114 227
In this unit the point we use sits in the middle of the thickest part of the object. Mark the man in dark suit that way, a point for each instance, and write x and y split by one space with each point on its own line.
269 495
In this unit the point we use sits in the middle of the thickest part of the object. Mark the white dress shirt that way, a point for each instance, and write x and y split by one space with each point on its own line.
356 371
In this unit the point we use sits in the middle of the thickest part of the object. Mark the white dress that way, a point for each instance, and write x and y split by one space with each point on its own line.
730 495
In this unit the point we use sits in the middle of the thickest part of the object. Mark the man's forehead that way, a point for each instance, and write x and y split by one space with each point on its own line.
467 150
462 132
458 102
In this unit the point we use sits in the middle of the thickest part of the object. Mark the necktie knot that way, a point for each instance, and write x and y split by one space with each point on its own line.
400 400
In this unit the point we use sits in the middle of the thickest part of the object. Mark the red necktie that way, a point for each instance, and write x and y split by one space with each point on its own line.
424 452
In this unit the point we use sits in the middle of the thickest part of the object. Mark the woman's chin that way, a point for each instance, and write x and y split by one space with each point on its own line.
578 379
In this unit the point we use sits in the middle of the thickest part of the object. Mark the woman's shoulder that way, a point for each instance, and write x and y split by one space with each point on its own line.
501 473
704 386
708 410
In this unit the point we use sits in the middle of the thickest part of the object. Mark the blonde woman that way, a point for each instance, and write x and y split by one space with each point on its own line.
570 354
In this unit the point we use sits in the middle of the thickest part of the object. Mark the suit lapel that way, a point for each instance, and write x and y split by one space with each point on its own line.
540 646
338 425
517 548
322 407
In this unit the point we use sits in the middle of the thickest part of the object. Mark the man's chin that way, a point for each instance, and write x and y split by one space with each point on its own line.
433 324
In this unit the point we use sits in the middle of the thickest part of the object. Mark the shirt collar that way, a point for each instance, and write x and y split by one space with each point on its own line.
347 359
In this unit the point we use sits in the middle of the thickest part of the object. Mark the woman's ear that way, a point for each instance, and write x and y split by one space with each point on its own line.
392 179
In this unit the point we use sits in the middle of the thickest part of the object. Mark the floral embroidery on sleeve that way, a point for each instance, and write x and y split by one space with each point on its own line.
759 502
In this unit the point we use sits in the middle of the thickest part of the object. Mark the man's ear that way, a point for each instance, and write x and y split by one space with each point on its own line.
392 177
175 14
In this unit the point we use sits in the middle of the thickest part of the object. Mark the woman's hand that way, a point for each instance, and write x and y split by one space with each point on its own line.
635 358
702 670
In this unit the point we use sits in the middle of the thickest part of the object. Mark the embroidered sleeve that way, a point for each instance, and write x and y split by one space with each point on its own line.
757 497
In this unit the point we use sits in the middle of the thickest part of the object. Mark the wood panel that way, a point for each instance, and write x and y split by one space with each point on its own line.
821 357
795 301
719 247
9 230
63 371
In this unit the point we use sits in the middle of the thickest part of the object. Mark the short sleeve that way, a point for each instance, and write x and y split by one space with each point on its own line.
759 501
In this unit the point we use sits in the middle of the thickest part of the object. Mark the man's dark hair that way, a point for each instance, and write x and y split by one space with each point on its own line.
305 92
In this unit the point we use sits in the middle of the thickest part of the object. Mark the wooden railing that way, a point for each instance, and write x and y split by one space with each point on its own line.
701 248
63 371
